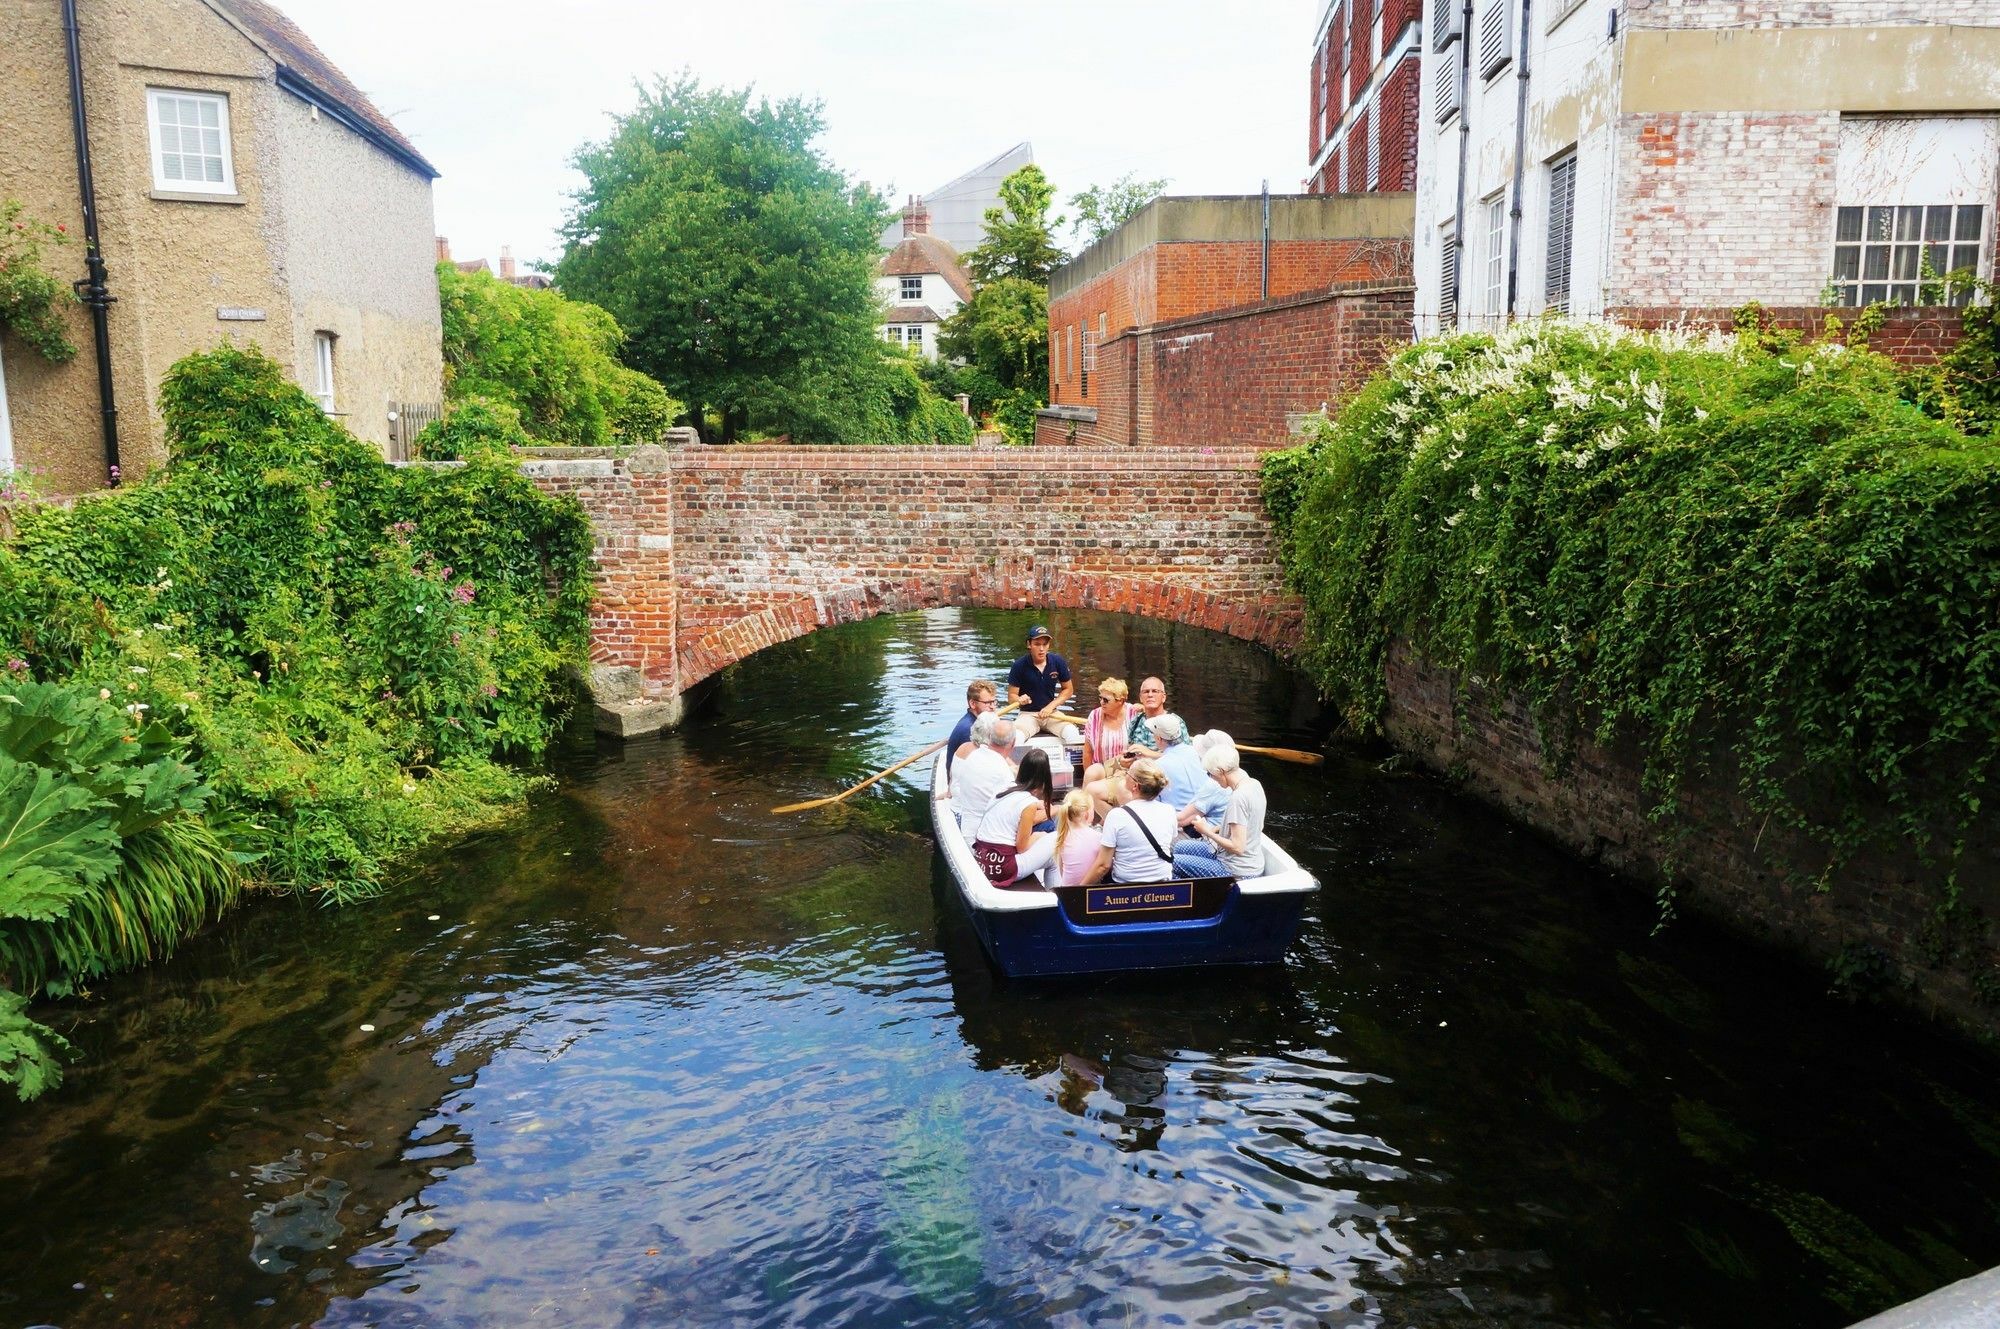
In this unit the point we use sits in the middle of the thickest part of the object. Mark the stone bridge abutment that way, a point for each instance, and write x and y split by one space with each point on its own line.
708 555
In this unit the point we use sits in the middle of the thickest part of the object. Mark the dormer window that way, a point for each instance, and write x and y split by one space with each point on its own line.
913 290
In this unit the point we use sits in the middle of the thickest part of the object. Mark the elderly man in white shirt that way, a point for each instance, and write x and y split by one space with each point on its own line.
980 775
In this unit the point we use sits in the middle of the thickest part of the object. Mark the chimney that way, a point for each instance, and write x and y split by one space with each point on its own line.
506 263
444 250
916 217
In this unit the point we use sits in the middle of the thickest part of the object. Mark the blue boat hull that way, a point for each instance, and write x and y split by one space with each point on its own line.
1044 943
1035 933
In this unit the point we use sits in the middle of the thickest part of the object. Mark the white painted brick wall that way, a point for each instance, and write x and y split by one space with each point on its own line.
1743 211
1807 13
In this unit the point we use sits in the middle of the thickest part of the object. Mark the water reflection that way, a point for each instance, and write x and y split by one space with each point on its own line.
663 1058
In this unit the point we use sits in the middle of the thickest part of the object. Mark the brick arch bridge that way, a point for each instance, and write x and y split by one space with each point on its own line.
708 555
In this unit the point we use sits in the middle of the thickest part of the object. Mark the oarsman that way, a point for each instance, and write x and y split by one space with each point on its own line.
1042 677
979 696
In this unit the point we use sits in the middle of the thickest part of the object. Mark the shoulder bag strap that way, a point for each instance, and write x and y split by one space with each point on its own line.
1165 857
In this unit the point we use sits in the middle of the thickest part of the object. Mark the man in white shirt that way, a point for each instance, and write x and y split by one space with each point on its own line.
982 774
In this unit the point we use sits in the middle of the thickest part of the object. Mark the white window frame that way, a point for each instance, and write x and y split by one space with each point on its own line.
155 131
913 335
1904 235
323 371
6 421
1496 254
908 296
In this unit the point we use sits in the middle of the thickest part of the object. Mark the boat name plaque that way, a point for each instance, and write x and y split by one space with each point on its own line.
1131 899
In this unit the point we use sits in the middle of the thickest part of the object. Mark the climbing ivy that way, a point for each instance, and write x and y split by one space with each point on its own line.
1750 555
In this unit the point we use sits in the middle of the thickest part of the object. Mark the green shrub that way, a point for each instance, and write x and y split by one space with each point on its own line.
1753 558
472 426
1014 412
552 359
1963 387
877 396
279 662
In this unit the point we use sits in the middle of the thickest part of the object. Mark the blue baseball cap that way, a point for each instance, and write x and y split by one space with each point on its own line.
1039 630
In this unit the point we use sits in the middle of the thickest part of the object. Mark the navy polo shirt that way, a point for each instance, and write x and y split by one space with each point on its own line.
1040 685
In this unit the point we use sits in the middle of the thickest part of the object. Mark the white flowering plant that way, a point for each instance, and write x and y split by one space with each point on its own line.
1744 551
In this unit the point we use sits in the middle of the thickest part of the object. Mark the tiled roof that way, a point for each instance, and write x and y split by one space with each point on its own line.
473 265
910 314
916 255
304 62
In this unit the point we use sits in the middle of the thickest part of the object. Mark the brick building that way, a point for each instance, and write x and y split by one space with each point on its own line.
1362 131
1685 156
1189 324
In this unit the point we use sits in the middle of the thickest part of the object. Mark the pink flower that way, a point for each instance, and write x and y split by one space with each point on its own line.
462 592
17 665
490 690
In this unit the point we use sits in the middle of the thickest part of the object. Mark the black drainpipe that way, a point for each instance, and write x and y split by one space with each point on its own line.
91 290
1520 163
1464 77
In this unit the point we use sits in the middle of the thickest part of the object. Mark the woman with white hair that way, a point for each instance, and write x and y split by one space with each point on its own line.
985 772
1236 847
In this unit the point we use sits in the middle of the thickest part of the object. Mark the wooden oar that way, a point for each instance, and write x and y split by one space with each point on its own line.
1284 754
913 757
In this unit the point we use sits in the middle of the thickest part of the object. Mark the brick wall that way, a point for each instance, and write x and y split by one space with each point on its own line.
1727 862
1396 112
1233 377
1722 207
1908 336
708 555
1361 33
1803 13
1185 278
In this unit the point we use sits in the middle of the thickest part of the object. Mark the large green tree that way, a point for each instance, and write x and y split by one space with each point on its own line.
738 260
1002 333
1019 236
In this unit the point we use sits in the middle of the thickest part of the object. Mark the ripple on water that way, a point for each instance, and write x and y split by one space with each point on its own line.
664 1058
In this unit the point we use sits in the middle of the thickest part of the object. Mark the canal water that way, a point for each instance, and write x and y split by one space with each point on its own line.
654 1056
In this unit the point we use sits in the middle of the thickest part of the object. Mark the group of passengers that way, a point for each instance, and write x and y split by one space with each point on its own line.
1154 803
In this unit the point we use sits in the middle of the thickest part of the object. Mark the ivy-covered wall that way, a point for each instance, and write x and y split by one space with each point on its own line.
1655 588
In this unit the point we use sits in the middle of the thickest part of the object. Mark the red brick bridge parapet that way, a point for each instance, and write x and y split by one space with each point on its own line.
707 555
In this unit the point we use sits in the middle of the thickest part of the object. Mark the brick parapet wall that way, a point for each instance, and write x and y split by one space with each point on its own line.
1235 376
707 555
1908 336
1726 861
1184 278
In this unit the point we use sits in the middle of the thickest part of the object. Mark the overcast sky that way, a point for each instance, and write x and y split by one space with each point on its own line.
1209 94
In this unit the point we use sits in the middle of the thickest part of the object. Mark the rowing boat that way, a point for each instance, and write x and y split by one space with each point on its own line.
1112 928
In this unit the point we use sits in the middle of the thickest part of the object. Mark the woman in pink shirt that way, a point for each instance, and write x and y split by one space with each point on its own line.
1104 731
